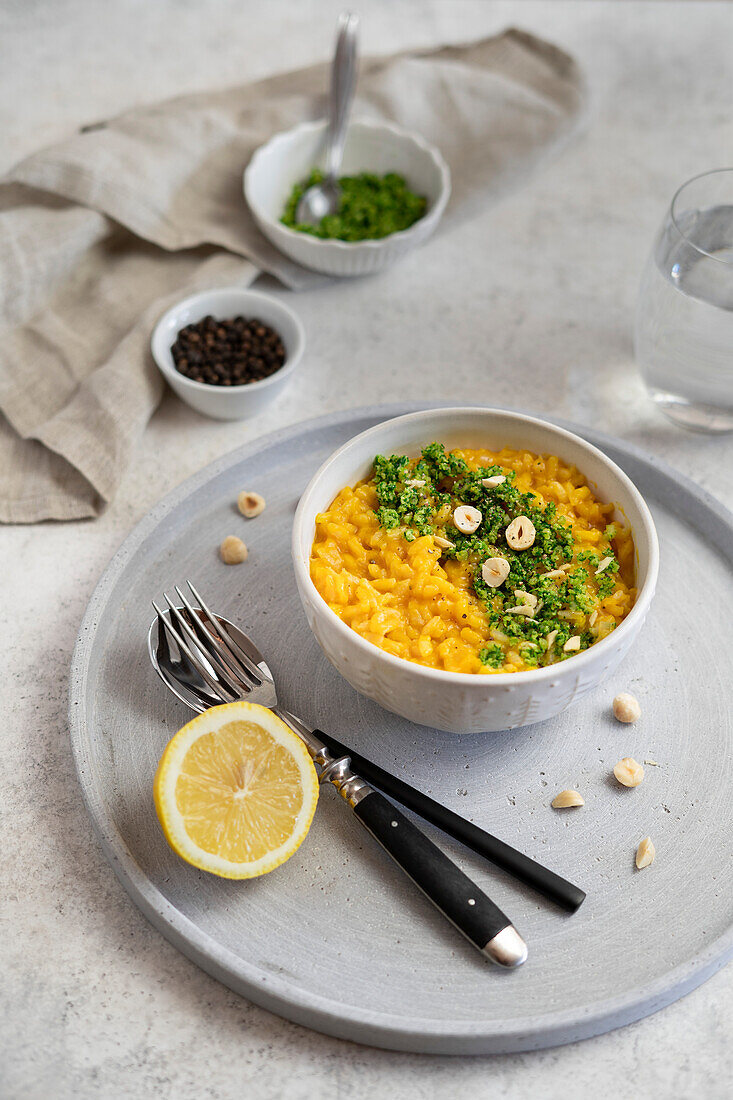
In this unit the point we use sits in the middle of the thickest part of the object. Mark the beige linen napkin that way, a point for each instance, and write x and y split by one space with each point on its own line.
98 234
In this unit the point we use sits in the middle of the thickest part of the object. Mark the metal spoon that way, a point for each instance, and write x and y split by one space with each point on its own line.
323 198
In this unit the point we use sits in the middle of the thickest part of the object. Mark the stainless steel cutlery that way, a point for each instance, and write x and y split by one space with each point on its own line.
205 660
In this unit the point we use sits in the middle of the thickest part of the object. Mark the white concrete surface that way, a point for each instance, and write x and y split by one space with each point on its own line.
529 304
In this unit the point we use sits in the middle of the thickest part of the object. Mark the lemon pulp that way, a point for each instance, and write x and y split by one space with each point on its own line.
236 791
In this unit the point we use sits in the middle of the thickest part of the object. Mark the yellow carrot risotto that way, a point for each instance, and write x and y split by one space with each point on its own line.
474 561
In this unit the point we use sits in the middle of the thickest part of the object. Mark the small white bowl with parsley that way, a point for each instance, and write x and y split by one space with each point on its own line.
463 702
396 187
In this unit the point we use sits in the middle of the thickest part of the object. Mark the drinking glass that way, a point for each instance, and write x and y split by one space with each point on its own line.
684 318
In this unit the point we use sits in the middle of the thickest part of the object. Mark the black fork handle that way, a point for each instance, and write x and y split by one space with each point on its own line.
533 874
451 891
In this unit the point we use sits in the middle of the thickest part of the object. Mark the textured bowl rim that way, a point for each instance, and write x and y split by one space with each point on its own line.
498 679
250 296
431 216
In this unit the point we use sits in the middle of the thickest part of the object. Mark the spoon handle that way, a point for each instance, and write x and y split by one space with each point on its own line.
343 82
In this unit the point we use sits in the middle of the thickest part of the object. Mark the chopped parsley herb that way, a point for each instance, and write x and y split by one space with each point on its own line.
419 496
371 207
492 655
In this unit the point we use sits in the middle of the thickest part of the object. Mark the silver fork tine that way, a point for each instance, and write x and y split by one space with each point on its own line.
209 641
216 686
221 670
236 651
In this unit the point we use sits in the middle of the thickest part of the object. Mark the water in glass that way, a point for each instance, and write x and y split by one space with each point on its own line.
684 323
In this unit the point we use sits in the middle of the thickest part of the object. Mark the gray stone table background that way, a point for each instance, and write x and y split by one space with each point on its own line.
529 304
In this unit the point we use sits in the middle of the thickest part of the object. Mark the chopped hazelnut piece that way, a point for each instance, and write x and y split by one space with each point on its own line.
520 534
645 853
444 544
567 798
572 645
495 571
493 481
232 550
467 519
250 504
626 707
603 564
629 772
414 483
527 598
551 639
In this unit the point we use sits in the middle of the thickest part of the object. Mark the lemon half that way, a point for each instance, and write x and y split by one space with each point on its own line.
235 791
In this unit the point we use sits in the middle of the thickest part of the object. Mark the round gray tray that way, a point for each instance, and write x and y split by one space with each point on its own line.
337 939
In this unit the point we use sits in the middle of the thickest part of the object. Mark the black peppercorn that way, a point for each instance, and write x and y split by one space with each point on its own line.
229 352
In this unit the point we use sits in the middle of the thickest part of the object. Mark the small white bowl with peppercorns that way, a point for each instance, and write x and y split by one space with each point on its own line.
228 352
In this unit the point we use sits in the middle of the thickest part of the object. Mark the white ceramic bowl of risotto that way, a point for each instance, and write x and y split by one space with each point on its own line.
380 147
461 702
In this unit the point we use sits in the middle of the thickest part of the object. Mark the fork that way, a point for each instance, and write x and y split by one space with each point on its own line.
231 669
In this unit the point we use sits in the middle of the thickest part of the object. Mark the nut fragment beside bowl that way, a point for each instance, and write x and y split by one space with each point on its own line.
626 707
250 504
233 551
629 772
645 853
567 798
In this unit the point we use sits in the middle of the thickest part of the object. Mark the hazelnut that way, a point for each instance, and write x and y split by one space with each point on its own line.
495 571
527 598
645 853
520 534
250 504
567 798
444 544
629 772
467 519
572 645
626 708
493 481
232 550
